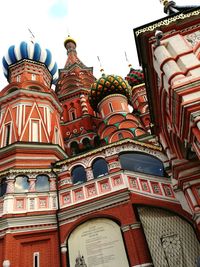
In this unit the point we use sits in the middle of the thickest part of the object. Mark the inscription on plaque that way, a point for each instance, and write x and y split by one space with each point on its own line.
97 242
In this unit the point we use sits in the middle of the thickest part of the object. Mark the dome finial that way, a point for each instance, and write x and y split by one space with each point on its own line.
129 65
164 2
32 36
101 68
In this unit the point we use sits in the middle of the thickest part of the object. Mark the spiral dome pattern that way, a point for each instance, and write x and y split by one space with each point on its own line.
135 77
31 51
107 85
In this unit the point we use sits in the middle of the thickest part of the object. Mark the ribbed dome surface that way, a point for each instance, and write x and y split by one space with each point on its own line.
107 85
135 77
28 50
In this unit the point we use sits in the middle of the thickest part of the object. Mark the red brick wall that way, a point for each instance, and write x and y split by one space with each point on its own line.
1 251
21 247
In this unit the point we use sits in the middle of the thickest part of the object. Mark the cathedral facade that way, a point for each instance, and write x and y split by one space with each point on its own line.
103 172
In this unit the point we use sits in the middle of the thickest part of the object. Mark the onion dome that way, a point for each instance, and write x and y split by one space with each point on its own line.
135 77
30 51
68 40
107 85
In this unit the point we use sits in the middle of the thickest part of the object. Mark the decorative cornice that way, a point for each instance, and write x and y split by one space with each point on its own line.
75 92
28 221
167 21
32 93
95 151
111 96
125 228
136 225
25 171
137 86
93 206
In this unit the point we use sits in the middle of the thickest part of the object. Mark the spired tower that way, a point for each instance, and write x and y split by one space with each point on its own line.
30 111
30 141
79 121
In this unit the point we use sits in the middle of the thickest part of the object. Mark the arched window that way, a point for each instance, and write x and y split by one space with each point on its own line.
78 175
140 162
42 183
99 168
21 184
72 114
3 187
74 148
86 143
33 77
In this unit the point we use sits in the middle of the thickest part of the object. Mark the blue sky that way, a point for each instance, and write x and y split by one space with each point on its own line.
101 28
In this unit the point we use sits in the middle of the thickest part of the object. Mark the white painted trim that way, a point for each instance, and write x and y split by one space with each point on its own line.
35 131
48 111
24 115
36 254
34 93
144 265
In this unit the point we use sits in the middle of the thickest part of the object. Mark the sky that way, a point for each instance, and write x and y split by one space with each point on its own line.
102 28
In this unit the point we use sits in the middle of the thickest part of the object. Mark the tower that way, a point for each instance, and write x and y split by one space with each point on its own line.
170 59
79 121
31 141
110 96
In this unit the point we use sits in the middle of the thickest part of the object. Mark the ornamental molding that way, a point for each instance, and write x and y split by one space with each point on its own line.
27 93
114 165
111 147
109 151
125 228
74 212
133 148
30 229
28 221
167 21
135 225
31 173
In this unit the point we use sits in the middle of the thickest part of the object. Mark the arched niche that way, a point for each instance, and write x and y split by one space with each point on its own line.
3 187
21 184
74 147
86 143
42 183
78 174
99 167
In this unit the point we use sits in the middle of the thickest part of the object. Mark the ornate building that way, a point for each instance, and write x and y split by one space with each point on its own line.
103 172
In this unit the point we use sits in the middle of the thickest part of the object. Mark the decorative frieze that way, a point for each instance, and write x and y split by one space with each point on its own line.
193 38
114 165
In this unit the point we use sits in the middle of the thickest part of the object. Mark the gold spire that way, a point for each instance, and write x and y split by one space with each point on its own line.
129 65
101 69
164 2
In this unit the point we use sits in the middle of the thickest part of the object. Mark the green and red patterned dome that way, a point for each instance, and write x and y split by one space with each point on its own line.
135 77
107 85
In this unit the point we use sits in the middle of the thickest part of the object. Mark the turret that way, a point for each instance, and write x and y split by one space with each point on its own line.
30 111
110 96
79 119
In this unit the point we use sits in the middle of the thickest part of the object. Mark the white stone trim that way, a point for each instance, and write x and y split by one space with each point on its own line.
144 265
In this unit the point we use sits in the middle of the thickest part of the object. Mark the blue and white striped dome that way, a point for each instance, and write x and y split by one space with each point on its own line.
28 50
